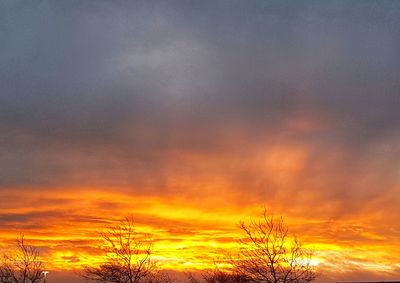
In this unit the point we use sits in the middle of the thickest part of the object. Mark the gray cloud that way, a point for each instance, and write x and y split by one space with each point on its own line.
106 94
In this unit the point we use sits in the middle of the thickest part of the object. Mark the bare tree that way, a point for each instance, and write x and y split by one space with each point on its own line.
128 256
23 265
268 255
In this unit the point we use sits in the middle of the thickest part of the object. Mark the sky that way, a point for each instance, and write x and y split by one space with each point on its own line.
193 115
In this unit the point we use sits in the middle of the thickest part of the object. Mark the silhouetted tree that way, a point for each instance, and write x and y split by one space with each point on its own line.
128 256
23 265
268 255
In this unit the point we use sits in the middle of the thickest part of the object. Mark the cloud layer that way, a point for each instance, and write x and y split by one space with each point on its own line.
290 104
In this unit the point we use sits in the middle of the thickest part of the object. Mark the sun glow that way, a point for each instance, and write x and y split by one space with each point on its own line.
185 235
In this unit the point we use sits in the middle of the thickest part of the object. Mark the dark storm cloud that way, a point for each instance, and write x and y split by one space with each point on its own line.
104 93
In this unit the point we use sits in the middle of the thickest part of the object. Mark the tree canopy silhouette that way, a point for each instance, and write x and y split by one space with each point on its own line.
22 265
128 256
269 255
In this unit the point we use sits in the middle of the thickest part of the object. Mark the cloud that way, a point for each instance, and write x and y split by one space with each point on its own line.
290 104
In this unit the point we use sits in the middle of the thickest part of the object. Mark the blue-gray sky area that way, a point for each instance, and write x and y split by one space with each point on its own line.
144 78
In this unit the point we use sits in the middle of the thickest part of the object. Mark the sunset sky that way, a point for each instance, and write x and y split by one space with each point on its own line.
193 115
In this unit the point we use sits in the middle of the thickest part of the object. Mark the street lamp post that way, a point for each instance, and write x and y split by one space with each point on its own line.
45 276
